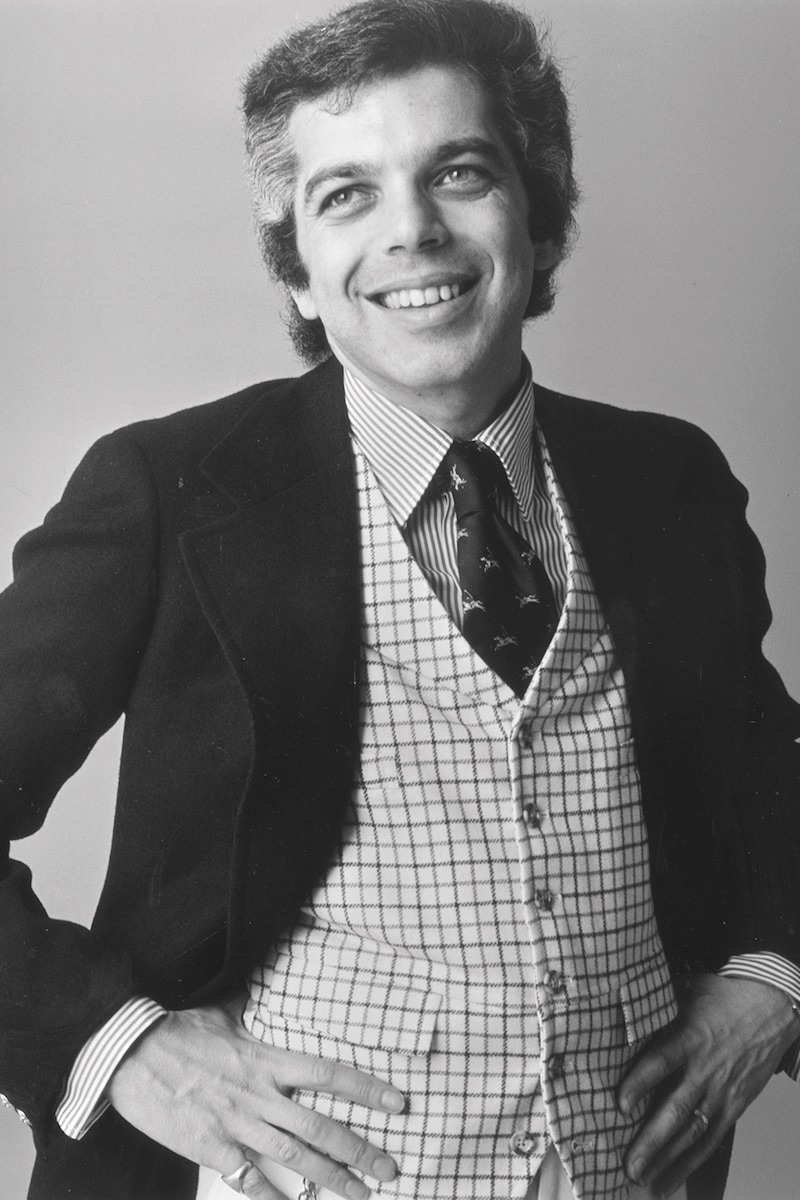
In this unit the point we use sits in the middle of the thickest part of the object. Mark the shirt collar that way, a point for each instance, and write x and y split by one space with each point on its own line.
404 450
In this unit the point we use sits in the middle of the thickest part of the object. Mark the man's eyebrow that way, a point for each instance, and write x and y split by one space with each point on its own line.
347 170
470 145
445 150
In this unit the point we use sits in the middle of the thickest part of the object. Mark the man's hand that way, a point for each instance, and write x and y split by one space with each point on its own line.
728 1039
198 1083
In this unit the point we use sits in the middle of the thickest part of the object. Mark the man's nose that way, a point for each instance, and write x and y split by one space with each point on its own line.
412 221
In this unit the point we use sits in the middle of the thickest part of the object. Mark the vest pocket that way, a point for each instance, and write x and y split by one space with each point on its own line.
375 1011
647 999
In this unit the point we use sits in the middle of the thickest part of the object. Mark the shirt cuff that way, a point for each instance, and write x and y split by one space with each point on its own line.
84 1101
766 967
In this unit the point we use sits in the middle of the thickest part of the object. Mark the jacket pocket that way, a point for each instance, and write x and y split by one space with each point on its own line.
369 1009
647 999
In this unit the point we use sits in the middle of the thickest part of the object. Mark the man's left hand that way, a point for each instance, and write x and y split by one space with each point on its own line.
711 1062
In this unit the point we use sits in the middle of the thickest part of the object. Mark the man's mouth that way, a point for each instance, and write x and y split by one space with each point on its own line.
423 297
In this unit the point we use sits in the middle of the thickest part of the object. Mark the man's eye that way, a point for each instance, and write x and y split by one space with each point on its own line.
337 199
344 199
464 178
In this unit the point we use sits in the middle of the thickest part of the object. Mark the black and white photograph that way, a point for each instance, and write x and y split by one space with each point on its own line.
399 596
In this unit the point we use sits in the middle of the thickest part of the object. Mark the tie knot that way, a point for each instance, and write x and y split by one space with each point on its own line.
473 473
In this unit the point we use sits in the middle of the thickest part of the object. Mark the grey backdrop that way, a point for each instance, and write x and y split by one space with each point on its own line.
132 287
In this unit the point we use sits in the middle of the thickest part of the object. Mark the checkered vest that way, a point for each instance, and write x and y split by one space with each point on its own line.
485 938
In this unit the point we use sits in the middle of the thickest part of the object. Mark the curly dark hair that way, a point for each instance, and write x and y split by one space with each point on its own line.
379 39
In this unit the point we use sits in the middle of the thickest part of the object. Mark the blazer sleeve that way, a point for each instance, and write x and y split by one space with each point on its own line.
756 822
72 628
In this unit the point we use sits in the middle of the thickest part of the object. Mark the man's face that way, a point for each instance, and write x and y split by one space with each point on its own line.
412 222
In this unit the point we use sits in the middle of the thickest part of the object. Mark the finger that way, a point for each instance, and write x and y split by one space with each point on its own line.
331 1138
271 1144
656 1063
311 1074
696 1129
251 1182
261 1188
257 1187
673 1120
307 1163
677 1175
667 1182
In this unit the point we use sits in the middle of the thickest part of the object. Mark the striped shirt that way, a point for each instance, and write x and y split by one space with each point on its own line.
405 452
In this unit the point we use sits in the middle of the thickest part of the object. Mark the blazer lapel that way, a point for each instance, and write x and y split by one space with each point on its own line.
617 505
666 568
278 579
656 555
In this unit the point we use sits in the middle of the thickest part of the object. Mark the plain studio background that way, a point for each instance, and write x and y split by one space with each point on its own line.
132 287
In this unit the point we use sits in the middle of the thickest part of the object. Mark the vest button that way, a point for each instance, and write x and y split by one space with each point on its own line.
555 1067
554 982
544 899
532 816
522 1143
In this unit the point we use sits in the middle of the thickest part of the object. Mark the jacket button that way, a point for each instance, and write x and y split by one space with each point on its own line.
522 1143
532 815
554 982
525 737
555 1067
544 899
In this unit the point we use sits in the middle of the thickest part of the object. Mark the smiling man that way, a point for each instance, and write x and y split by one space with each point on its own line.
456 843
413 224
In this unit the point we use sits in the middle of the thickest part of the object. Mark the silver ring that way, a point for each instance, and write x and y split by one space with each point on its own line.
236 1178
702 1118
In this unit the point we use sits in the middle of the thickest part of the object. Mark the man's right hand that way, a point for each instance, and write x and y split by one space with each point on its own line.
200 1084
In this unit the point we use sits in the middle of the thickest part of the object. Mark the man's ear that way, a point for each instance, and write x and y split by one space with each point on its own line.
305 304
545 255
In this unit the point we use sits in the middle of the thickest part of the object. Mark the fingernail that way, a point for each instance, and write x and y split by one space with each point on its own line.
635 1169
623 1106
383 1169
394 1101
357 1190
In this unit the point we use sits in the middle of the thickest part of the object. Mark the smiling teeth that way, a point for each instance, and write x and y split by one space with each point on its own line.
421 297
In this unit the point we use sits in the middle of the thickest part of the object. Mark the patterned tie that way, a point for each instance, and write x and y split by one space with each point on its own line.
509 610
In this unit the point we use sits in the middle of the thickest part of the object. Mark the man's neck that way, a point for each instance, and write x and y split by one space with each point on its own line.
463 410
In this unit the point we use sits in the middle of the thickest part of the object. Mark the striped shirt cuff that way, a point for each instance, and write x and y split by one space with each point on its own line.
771 968
84 1101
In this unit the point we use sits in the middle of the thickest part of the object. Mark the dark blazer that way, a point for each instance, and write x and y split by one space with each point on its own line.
201 576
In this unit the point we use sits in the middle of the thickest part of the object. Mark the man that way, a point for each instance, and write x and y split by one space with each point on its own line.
456 837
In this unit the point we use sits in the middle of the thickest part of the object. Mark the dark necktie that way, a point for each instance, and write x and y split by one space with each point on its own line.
509 610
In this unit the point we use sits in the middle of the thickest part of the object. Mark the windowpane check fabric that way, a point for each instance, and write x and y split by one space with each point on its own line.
509 609
485 938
